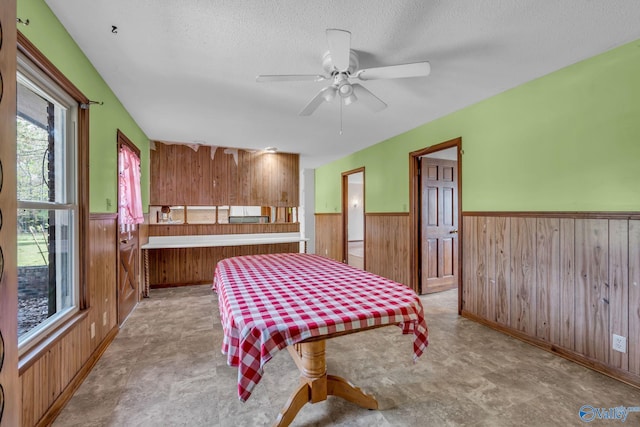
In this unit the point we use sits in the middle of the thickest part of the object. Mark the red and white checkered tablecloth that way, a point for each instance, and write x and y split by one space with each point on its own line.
268 302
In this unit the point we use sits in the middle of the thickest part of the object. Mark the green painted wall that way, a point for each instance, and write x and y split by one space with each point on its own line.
568 141
51 38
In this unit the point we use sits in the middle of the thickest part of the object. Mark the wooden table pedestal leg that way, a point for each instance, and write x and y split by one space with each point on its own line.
316 385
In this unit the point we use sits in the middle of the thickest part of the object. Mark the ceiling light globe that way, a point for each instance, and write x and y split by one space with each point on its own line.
350 99
346 90
329 93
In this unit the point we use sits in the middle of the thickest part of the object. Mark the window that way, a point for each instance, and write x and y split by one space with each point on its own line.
48 204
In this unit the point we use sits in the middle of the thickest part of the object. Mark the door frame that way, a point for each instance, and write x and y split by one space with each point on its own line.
414 213
123 140
345 216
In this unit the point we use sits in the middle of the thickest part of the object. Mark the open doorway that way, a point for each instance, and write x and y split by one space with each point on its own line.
435 213
353 217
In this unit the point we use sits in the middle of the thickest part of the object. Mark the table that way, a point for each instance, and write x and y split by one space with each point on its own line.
211 240
269 302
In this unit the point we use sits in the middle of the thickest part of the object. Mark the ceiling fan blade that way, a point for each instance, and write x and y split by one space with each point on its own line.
416 69
340 48
325 94
368 98
290 77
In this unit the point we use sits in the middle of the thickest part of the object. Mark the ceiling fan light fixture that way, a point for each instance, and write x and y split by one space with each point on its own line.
331 69
348 100
345 90
329 93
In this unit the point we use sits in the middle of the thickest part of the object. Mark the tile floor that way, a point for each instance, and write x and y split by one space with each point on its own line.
165 369
355 254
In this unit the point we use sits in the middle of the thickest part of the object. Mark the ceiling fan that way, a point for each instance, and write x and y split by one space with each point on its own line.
340 64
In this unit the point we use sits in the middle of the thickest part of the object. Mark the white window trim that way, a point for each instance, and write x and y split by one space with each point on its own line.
36 80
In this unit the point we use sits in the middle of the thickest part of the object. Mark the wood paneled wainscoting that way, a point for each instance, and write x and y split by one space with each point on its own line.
563 281
387 245
196 265
205 229
386 242
184 266
51 372
329 240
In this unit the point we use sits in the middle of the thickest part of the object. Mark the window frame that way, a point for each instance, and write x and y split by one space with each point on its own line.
40 64
33 80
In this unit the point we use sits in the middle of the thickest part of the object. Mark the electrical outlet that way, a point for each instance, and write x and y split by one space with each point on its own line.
619 343
93 329
104 319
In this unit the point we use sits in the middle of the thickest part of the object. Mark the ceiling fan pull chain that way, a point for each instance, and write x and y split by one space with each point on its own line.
340 101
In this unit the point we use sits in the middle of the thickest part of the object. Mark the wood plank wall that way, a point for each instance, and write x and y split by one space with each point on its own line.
566 282
176 267
206 229
52 372
186 266
386 242
182 176
634 295
387 245
329 236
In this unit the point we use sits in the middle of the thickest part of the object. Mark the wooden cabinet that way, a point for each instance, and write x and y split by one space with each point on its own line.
166 179
272 180
213 176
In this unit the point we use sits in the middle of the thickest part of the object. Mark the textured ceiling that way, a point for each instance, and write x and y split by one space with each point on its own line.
185 69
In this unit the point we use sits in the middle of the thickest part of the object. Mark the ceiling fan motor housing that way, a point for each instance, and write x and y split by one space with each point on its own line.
330 69
341 77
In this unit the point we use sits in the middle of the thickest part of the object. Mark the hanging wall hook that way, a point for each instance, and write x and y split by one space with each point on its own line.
114 29
20 21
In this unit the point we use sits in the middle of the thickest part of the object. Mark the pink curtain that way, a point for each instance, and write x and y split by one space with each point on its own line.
130 203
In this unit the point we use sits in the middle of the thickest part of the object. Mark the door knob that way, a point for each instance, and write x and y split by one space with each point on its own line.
454 231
